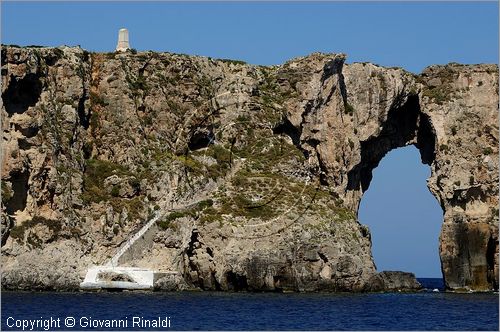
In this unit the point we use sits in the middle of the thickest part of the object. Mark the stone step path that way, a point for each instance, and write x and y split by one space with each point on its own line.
115 259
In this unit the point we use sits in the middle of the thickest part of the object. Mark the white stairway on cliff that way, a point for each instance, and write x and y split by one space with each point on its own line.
113 276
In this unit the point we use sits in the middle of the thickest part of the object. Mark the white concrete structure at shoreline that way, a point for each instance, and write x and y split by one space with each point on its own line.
112 276
121 277
101 277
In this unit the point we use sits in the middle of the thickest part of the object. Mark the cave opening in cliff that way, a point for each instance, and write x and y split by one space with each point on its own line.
22 94
403 216
17 201
201 139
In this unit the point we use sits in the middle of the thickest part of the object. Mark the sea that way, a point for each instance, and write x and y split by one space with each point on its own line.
431 309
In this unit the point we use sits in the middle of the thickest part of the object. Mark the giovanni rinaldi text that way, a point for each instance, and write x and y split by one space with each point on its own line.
87 322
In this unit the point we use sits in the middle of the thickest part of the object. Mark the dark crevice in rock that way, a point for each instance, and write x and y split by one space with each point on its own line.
365 232
22 93
329 97
24 144
43 178
287 128
236 282
143 68
3 58
201 139
51 59
309 107
463 195
426 140
322 170
323 257
83 116
191 268
277 280
332 67
475 193
343 88
285 278
28 132
6 223
313 142
491 250
216 284
19 182
192 241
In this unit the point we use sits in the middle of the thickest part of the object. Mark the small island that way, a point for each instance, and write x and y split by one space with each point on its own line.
148 170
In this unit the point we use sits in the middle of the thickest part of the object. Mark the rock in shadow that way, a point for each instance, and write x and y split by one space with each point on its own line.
393 281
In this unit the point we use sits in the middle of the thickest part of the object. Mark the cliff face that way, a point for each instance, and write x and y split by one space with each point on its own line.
256 171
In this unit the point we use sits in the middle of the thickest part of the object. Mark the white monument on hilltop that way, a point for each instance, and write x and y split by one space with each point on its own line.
123 44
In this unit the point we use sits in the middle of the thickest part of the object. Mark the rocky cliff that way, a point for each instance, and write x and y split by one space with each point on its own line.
257 172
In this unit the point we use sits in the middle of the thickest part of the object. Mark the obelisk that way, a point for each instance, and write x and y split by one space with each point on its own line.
123 44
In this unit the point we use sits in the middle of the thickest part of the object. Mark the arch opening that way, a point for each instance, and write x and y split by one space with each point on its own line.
405 126
403 216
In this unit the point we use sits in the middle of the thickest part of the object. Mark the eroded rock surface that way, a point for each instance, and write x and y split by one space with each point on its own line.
257 171
395 281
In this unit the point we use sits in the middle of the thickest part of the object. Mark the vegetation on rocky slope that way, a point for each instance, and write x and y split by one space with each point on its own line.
276 157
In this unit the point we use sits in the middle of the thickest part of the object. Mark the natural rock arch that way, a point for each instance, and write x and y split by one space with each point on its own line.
467 246
405 125
467 250
357 113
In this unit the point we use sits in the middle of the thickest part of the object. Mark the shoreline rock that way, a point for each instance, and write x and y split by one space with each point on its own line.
393 281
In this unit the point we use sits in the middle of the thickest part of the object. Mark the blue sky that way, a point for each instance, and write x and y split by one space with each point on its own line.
404 217
410 35
402 214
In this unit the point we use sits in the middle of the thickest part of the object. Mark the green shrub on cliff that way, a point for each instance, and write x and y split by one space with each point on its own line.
115 191
349 109
235 62
487 151
193 212
444 147
18 231
134 206
96 171
7 193
439 94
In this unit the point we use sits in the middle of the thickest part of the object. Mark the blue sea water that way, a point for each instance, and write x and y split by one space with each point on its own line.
260 311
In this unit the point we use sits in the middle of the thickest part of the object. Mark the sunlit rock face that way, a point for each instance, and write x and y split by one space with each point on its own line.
257 171
450 114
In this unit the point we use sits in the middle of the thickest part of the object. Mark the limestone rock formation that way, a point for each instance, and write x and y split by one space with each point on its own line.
393 281
256 171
